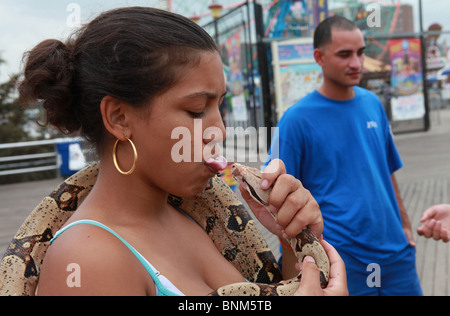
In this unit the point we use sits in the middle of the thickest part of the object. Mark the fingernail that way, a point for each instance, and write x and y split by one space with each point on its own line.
309 259
273 209
264 184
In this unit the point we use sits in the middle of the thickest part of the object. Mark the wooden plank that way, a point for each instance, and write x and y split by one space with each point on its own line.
428 253
442 250
446 199
443 287
433 258
441 270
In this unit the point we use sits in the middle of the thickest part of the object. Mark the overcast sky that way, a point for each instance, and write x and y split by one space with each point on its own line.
25 23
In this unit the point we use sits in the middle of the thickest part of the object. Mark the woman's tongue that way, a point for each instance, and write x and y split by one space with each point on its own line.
217 164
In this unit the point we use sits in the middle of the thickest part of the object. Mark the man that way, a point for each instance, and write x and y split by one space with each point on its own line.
338 142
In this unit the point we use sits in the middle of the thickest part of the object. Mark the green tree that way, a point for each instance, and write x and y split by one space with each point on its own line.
12 115
13 118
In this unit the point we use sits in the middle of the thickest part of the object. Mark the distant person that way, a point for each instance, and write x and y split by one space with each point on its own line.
338 142
436 223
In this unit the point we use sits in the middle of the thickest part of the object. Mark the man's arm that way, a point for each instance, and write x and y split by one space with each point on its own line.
405 219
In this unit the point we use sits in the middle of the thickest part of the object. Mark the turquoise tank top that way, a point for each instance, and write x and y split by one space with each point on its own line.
163 286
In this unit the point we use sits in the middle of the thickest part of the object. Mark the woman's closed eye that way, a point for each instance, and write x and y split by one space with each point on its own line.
197 114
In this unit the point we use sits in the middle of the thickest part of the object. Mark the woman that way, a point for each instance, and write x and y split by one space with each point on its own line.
126 81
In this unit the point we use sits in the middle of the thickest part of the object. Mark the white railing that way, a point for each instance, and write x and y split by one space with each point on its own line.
32 163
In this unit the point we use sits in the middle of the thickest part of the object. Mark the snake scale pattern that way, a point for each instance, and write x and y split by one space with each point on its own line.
217 210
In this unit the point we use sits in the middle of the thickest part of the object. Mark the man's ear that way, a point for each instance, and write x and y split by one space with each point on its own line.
318 56
115 118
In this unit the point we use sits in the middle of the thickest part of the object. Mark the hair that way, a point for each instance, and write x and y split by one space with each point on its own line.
323 32
133 54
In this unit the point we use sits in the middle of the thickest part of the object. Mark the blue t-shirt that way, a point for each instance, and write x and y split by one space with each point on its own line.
344 153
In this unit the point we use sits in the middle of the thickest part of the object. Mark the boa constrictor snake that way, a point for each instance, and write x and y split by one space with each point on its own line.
304 244
217 210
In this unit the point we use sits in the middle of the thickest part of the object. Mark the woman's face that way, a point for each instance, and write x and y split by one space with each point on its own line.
183 129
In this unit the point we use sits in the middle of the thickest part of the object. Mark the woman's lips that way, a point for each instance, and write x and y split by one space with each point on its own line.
216 164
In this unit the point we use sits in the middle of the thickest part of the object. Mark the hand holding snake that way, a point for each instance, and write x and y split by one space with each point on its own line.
288 210
293 205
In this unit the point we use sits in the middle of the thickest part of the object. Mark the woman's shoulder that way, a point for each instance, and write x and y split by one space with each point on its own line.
89 260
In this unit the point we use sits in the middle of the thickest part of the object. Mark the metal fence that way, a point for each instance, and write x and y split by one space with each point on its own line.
37 162
237 40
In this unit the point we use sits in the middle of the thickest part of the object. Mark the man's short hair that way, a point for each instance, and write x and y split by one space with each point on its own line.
323 32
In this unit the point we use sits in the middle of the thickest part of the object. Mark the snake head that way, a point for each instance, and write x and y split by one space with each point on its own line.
250 179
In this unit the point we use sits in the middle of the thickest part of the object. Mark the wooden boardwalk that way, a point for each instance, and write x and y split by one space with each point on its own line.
424 181
433 258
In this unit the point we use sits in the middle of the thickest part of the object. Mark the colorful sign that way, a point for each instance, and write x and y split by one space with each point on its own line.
296 72
298 80
299 51
407 79
228 177
236 78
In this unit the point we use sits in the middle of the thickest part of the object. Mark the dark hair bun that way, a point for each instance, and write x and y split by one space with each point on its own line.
47 80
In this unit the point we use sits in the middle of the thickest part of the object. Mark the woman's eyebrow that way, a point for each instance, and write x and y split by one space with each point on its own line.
209 95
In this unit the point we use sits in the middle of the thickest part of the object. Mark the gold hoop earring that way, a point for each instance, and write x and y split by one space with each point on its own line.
116 164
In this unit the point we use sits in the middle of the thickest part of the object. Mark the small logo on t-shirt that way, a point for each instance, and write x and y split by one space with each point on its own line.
372 124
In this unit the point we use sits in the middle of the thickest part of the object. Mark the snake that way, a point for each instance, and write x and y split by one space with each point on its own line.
217 209
304 244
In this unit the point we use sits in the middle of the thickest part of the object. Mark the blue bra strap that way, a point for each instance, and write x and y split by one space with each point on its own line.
162 290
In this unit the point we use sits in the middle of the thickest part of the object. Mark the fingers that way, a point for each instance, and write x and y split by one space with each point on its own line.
332 254
336 262
436 223
445 235
297 212
437 231
409 235
426 229
337 286
437 212
272 172
434 229
429 214
294 205
310 282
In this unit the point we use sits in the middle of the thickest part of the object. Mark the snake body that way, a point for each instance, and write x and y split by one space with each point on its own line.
217 210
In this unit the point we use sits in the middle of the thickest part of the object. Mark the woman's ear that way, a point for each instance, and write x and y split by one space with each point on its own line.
115 117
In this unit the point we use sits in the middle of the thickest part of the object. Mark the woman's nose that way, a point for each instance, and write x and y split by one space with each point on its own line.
215 131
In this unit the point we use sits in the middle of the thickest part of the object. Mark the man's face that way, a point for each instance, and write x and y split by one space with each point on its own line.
342 60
